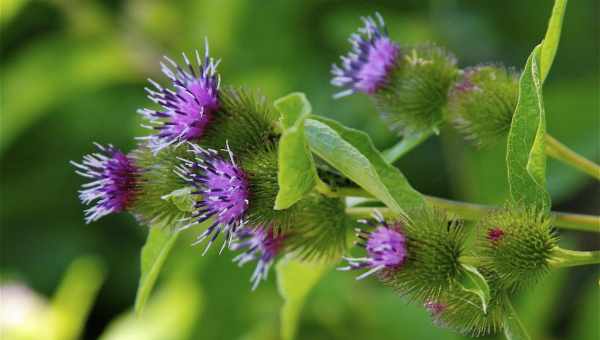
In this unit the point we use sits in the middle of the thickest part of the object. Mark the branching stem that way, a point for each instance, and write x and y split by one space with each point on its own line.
472 211
561 152
562 258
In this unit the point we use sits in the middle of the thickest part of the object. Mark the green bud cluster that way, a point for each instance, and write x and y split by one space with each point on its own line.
434 245
315 227
482 102
415 95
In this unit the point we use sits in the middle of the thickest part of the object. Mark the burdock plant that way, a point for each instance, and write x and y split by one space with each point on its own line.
272 180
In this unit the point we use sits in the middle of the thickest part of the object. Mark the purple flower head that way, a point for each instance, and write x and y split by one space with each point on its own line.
435 308
259 244
224 188
372 59
188 107
114 182
385 246
466 83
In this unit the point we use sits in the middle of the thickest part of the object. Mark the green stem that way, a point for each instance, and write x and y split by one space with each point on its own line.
403 147
513 327
562 258
472 211
561 152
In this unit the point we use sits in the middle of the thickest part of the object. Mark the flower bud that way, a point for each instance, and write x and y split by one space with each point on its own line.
482 103
320 230
158 181
409 85
416 93
420 260
516 243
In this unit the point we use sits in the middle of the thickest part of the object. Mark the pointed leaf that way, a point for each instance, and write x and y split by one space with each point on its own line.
172 314
158 245
297 174
75 297
352 153
525 157
295 279
477 284
550 43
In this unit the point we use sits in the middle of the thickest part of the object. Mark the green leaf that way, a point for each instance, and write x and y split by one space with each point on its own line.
406 145
513 327
477 285
525 156
352 153
550 43
171 314
158 245
293 109
295 279
181 198
75 297
296 169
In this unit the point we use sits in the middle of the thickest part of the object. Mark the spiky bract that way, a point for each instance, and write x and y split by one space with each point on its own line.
521 247
246 121
434 245
482 103
321 228
416 93
463 312
158 181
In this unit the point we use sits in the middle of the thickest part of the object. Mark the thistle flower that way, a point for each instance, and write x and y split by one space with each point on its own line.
373 57
482 103
187 108
385 246
115 182
260 244
224 189
434 244
517 244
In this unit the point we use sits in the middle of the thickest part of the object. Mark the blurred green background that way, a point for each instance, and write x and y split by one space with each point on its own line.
73 72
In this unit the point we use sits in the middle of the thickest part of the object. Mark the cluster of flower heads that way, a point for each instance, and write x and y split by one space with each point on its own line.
220 186
418 257
416 88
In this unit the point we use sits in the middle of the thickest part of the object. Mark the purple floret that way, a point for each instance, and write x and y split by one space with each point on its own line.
260 245
114 184
385 246
188 107
224 188
373 57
